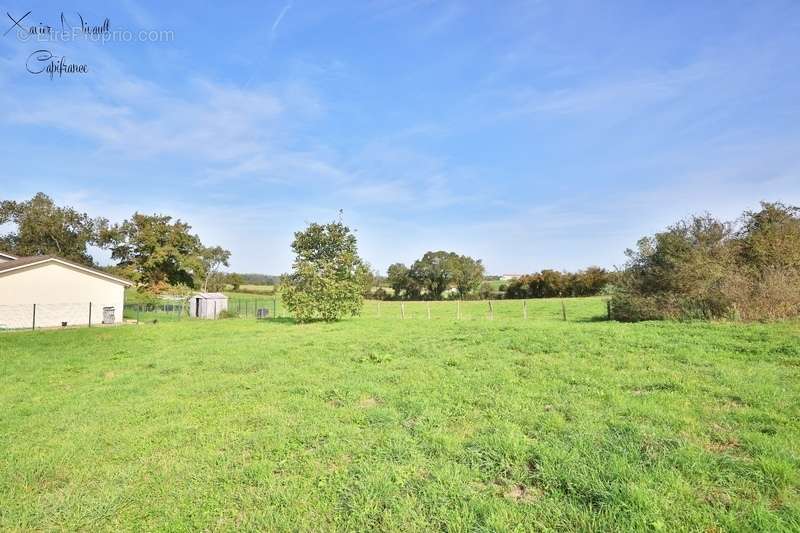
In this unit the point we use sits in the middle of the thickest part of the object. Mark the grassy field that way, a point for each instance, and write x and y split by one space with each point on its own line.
416 424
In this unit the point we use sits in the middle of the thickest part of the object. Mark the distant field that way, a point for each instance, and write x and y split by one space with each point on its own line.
258 288
377 423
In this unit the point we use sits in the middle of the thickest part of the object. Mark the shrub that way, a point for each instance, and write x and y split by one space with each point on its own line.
703 268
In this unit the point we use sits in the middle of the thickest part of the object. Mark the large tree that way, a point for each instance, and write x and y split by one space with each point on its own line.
467 273
434 272
155 251
43 228
402 282
328 277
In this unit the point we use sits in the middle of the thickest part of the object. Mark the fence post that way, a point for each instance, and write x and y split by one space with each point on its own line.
563 310
90 314
215 309
491 311
402 310
379 308
33 326
274 308
525 309
608 308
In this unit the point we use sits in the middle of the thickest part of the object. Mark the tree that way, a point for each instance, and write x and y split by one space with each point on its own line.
213 258
154 251
466 273
401 281
328 277
770 238
43 228
234 280
434 272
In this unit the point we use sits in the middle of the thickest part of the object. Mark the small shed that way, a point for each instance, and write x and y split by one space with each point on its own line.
207 305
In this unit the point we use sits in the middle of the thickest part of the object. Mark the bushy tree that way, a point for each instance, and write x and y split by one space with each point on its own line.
328 277
234 280
466 273
155 251
43 228
402 282
434 272
702 267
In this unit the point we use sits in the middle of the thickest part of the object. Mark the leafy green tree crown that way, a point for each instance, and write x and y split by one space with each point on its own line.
328 277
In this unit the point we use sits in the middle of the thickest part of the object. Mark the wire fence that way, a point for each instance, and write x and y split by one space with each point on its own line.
41 316
256 308
588 309
59 315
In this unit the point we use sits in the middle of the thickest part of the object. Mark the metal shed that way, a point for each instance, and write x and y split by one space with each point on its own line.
207 304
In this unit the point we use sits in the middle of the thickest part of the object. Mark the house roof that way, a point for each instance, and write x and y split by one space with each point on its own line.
210 296
38 259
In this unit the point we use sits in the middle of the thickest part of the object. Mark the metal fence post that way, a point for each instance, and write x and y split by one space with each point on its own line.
90 314
33 326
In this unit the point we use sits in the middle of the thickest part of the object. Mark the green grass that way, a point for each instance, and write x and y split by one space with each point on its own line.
381 423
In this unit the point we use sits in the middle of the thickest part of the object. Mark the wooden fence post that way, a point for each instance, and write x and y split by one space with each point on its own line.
608 309
491 311
525 309
563 310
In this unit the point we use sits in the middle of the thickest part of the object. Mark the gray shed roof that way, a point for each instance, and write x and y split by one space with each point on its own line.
210 296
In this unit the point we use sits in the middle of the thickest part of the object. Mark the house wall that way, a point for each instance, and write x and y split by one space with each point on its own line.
61 294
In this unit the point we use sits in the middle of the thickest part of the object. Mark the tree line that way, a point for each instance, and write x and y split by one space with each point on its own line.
552 283
155 251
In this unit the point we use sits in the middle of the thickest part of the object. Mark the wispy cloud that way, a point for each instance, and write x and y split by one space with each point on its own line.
278 19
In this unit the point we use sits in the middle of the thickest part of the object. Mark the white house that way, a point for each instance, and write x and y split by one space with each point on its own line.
47 291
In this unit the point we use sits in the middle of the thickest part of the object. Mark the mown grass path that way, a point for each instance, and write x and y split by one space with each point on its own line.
407 425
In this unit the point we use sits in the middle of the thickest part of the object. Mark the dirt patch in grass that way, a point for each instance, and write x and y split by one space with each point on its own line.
366 403
523 494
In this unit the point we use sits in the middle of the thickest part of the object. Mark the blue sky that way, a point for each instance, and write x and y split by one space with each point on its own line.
530 134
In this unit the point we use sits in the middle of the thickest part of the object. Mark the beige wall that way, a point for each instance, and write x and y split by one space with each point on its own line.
61 293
